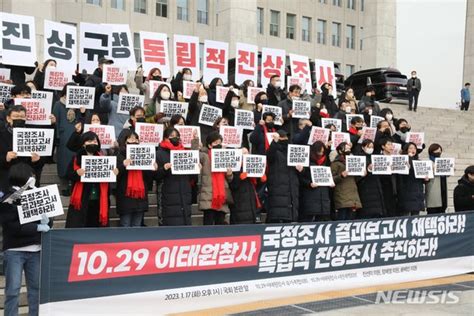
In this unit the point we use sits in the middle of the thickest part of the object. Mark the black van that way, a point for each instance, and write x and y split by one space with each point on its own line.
389 83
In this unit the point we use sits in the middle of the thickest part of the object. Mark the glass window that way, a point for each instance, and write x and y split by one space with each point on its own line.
275 23
162 8
136 47
361 32
362 5
323 1
336 34
118 4
337 3
350 36
260 20
306 29
94 2
290 26
139 6
349 70
202 11
322 32
182 6
351 4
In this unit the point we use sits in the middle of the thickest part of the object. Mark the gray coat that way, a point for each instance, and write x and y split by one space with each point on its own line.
65 119
417 84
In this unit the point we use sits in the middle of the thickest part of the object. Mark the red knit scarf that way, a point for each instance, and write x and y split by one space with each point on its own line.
253 181
135 185
166 144
320 161
353 130
265 131
218 188
76 197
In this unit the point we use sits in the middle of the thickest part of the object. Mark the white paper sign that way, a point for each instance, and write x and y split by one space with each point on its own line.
417 138
318 134
187 133
349 118
254 165
423 169
56 79
397 148
143 157
114 75
331 121
356 165
184 162
38 202
188 88
4 74
221 93
324 70
154 85
215 59
209 114
322 176
170 108
128 101
77 97
154 52
339 137
298 155
98 169
252 92
374 120
231 136
38 111
5 92
381 164
273 63
275 110
150 134
444 167
368 133
106 134
33 140
222 159
270 137
18 39
400 164
290 81
244 119
301 109
122 49
60 44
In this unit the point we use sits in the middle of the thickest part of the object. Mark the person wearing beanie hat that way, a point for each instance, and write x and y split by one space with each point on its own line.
464 191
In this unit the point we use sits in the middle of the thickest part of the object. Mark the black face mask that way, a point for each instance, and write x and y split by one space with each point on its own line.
387 132
404 129
346 152
92 148
436 155
158 78
141 120
18 123
270 125
264 101
359 128
217 146
174 141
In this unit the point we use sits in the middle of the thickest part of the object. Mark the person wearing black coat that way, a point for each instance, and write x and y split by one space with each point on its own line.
464 191
212 92
17 73
369 187
274 91
290 124
40 74
389 182
411 197
259 138
177 81
315 201
176 192
327 99
245 209
283 185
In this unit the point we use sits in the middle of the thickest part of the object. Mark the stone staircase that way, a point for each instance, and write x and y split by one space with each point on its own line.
451 129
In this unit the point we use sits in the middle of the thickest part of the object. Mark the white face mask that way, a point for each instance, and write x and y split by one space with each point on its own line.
234 103
295 98
369 151
324 111
389 117
165 95
203 99
187 77
277 84
348 109
371 111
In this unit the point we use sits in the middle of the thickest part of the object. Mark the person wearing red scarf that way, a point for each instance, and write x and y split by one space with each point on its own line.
132 185
89 202
215 195
260 138
355 131
176 191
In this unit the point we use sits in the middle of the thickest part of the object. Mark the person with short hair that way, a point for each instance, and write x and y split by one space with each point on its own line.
274 91
464 192
465 97
436 191
413 88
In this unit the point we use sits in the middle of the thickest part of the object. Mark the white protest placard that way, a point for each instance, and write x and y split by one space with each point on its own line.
56 79
115 75
254 165
381 164
221 93
33 140
95 41
143 157
154 52
325 122
349 118
4 74
106 134
154 85
231 136
188 88
275 110
18 45
301 109
367 133
324 70
184 162
273 64
423 169
170 108
252 92
5 92
246 63
299 65
417 138
222 159
38 202
444 167
60 44
38 111
43 95
128 101
98 169
186 54
322 176
122 49
209 114
244 119
356 165
187 133
149 134
270 137
291 81
374 120
298 155
77 97
397 148
318 134
400 164
339 137
215 60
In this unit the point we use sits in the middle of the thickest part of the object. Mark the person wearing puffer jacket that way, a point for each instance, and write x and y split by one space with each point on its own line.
464 191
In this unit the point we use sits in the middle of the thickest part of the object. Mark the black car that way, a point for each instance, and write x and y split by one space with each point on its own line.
389 83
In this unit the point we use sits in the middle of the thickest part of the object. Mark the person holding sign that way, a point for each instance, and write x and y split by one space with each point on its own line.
315 200
212 93
464 192
274 91
244 103
177 82
21 244
132 189
327 99
283 184
346 196
382 134
176 192
290 124
355 131
144 86
109 100
411 198
89 203
369 186
260 138
387 114
436 191
215 195
153 113
16 117
41 72
231 102
137 115
303 132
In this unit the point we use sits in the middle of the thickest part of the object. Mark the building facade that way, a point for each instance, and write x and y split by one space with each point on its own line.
469 44
355 34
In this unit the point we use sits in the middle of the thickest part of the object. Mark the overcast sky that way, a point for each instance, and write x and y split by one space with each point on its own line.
430 40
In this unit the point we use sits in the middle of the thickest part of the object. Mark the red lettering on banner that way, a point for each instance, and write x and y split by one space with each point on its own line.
215 58
271 68
124 259
246 58
300 67
186 54
154 51
322 76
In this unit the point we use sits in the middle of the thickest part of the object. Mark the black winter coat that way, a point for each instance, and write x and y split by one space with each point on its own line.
313 201
464 195
244 210
371 195
176 193
275 95
283 185
410 190
257 138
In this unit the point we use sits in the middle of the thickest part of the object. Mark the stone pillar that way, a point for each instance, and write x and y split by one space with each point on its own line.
469 45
